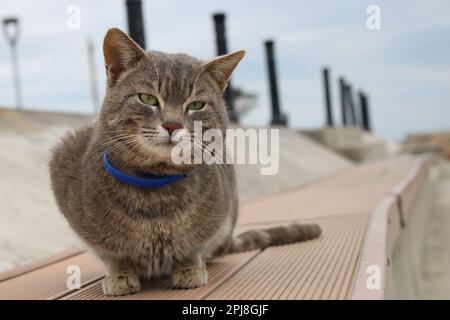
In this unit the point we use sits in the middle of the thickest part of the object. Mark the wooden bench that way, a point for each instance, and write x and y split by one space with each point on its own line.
361 211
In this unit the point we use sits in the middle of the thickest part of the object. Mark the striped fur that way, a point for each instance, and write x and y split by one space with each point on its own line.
263 238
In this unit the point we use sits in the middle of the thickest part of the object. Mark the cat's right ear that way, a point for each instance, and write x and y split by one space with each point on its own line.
120 52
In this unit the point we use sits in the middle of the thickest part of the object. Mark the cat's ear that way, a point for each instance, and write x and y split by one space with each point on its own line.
222 67
120 52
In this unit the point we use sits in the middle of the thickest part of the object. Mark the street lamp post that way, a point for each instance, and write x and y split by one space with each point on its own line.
11 31
93 74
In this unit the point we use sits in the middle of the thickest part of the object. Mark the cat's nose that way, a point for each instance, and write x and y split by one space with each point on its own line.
171 126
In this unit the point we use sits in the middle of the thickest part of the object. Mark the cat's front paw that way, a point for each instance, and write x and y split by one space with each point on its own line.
189 277
121 284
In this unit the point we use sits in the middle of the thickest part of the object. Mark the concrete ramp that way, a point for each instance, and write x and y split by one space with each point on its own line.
302 160
354 143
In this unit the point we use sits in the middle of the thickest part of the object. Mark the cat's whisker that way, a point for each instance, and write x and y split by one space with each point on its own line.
209 150
117 144
219 165
213 143
114 144
117 135
115 140
123 148
132 146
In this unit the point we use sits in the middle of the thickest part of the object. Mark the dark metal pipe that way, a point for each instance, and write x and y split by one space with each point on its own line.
350 105
221 45
365 116
342 91
221 40
136 21
278 118
327 97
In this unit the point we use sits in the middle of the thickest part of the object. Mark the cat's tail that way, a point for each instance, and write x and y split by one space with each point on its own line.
263 238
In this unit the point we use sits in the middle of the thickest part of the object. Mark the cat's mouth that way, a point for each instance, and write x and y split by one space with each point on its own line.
160 144
165 142
161 147
168 142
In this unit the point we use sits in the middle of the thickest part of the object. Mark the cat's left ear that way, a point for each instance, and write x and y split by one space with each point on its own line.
120 52
222 67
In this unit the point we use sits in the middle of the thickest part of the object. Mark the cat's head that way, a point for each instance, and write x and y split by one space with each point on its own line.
153 98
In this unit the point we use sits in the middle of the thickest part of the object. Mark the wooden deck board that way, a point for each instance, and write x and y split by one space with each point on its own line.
50 280
16 272
219 271
303 270
332 267
351 192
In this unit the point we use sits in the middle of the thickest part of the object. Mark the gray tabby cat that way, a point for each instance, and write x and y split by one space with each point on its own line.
138 232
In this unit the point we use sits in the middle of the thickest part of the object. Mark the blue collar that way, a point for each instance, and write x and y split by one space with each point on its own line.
152 181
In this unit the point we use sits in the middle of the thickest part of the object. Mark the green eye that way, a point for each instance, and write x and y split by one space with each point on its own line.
148 99
197 105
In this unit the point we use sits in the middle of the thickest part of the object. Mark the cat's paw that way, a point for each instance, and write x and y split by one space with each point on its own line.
121 284
189 277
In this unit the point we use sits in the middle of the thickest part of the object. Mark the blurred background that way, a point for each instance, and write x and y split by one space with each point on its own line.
403 66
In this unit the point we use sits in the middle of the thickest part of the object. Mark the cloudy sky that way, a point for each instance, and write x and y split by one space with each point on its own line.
404 66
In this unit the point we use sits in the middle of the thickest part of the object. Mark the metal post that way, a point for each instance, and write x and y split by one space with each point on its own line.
221 40
93 74
327 96
15 66
364 112
278 118
351 105
221 45
342 91
11 31
136 21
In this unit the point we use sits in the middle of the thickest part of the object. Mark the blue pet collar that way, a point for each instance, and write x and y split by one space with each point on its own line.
153 181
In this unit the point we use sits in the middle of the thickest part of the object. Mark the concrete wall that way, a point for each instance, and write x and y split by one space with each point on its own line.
409 252
351 142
